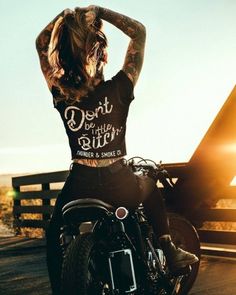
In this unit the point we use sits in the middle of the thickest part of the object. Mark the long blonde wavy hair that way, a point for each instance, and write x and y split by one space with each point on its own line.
76 54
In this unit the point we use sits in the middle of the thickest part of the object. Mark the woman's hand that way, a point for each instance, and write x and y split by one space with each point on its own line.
90 17
91 13
68 11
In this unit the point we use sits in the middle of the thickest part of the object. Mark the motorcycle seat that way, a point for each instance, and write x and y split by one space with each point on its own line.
87 209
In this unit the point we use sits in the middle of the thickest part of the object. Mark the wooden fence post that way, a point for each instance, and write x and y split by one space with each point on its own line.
46 202
16 216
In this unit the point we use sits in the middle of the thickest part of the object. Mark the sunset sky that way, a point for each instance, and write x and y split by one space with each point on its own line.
189 71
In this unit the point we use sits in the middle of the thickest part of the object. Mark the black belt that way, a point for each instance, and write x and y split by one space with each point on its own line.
112 168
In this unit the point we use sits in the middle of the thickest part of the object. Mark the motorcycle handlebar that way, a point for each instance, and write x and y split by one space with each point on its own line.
152 169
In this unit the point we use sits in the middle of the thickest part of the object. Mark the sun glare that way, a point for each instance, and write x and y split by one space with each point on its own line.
233 182
11 194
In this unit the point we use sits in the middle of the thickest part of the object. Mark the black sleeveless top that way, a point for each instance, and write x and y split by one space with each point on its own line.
96 124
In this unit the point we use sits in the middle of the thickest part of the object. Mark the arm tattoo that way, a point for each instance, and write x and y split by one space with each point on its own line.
136 31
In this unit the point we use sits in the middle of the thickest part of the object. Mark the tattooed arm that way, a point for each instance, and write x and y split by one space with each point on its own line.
42 43
134 29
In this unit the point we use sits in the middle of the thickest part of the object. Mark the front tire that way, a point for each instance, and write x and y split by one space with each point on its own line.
84 271
185 236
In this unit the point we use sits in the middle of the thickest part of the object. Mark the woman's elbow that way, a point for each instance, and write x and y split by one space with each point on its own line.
142 31
38 41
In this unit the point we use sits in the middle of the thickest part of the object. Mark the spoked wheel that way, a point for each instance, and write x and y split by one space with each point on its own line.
84 270
185 236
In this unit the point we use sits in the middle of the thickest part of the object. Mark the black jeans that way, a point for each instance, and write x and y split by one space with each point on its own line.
116 185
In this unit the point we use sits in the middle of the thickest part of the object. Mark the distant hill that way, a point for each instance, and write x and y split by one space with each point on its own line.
5 179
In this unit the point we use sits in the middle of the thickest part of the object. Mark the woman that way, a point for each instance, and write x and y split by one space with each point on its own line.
72 52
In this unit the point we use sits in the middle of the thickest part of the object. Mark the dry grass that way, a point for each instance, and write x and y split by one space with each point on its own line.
6 215
222 226
6 205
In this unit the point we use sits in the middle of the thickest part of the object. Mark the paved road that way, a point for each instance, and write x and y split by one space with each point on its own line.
22 267
217 276
23 270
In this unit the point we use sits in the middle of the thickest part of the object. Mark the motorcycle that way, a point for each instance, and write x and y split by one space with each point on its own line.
120 254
